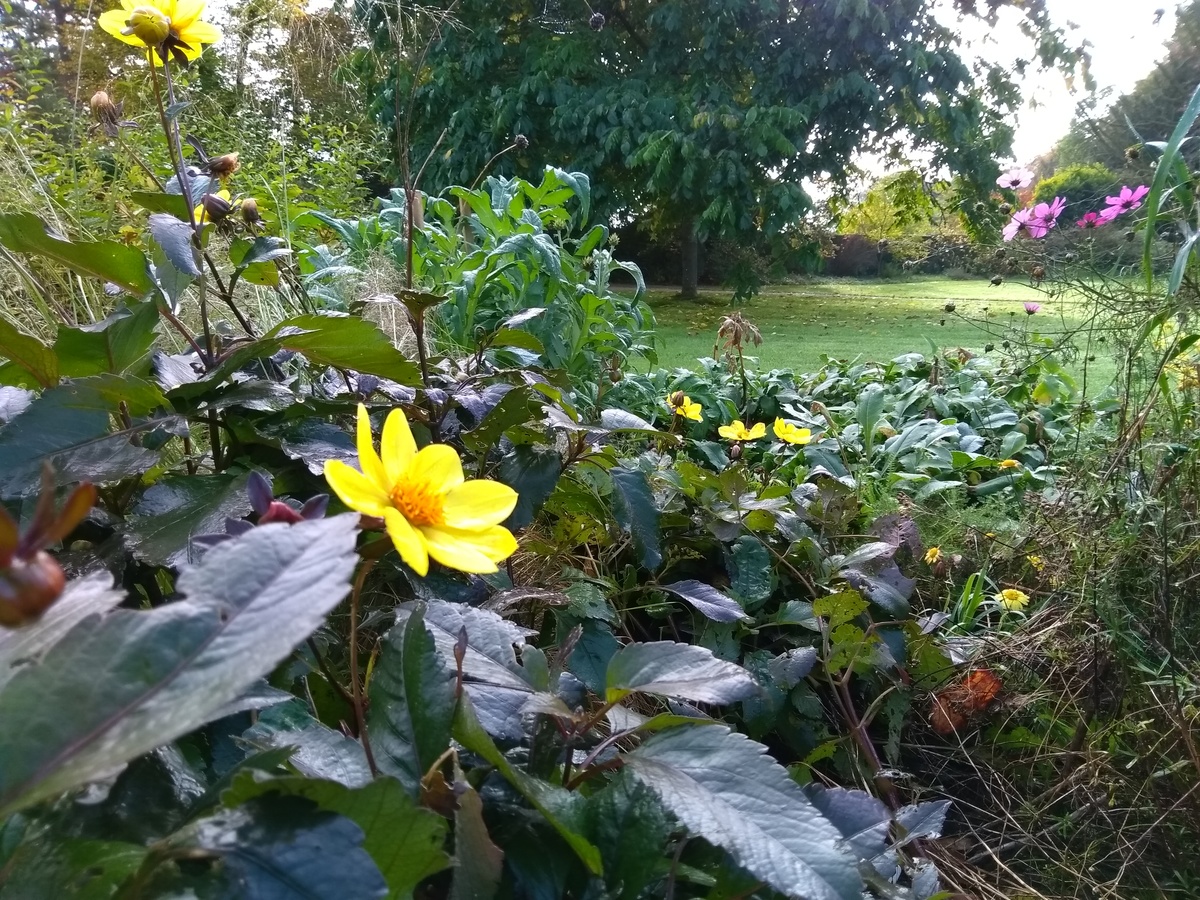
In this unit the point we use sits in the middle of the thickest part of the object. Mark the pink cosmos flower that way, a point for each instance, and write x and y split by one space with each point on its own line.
1015 178
1022 220
1031 308
1124 202
1091 220
1047 214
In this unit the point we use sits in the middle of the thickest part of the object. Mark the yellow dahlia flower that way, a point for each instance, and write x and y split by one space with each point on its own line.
739 432
1012 599
1008 464
685 406
790 433
163 26
932 555
429 509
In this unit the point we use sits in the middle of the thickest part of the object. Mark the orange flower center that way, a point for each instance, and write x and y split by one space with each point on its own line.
418 503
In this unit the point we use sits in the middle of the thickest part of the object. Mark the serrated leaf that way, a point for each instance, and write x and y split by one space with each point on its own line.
30 354
840 608
264 249
533 473
404 840
493 677
631 830
286 848
177 508
863 820
117 344
922 820
174 236
315 750
727 789
560 807
686 671
68 427
83 597
109 261
117 687
708 600
412 701
636 513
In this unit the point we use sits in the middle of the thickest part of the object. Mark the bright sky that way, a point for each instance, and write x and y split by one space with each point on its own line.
1125 41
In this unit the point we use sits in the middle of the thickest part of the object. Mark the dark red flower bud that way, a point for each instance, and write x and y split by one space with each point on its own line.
28 587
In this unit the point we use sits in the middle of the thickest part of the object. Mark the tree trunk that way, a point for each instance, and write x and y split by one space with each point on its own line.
690 249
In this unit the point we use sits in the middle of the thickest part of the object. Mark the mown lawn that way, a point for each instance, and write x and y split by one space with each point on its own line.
866 319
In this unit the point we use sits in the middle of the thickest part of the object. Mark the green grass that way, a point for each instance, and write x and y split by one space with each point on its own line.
865 319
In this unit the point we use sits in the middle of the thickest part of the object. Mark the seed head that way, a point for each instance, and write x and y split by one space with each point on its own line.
223 166
596 22
521 142
250 214
149 25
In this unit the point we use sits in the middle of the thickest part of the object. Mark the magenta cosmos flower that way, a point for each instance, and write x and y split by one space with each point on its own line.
1023 221
1031 308
1015 178
1124 202
1091 220
1047 213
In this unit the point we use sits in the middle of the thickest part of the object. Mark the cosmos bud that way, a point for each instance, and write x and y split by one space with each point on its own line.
596 22
216 209
223 166
949 307
250 213
1006 208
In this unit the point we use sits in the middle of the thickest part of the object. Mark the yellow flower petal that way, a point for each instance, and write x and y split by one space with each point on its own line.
185 13
368 459
356 490
478 504
409 542
114 21
757 431
459 550
496 543
198 33
398 446
437 466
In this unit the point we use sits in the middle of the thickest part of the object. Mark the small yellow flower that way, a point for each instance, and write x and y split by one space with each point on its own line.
170 27
429 509
683 405
1012 599
739 432
791 433
1036 561
932 555
1009 464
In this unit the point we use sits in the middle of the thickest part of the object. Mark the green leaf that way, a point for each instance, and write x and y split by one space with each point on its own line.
631 829
316 750
174 236
117 687
404 840
533 473
707 600
841 607
69 427
412 702
345 342
514 337
56 866
686 671
497 683
479 863
729 791
177 508
83 597
561 808
29 353
118 344
264 249
157 202
108 260
635 512
749 565
285 848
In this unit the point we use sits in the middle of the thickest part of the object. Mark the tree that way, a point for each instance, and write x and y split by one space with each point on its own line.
1084 187
1151 108
705 118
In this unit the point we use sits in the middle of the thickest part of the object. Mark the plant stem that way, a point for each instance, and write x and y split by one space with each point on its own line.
356 687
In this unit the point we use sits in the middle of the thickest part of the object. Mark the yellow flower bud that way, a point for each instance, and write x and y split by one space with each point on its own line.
148 25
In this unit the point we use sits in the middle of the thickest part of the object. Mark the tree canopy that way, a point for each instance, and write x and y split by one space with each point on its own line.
713 119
